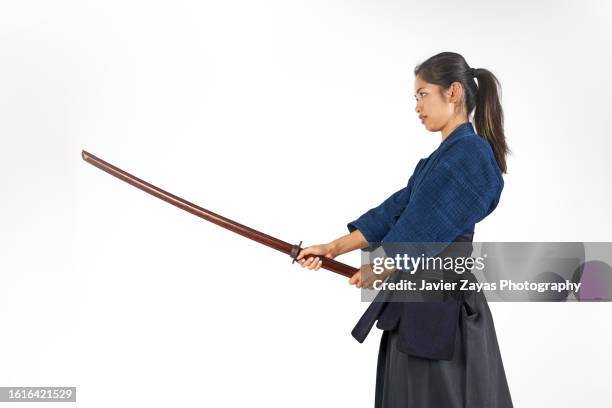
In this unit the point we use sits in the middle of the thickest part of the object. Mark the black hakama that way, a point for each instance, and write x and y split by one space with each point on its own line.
473 378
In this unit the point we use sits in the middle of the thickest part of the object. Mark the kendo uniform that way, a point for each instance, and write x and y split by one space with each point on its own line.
437 354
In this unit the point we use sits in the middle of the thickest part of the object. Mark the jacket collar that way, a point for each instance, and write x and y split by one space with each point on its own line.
463 129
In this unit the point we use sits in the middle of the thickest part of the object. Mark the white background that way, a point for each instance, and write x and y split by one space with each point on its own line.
294 118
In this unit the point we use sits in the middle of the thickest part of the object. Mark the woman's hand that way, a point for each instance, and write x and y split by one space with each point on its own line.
365 277
315 262
356 279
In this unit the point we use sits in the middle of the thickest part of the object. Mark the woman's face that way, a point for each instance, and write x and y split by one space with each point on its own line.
433 105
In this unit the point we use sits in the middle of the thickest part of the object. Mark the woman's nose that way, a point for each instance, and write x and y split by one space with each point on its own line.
417 108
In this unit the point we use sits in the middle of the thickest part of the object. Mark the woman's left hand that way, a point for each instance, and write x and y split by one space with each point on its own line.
365 277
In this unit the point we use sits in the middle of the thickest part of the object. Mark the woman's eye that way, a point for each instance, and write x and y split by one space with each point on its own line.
422 94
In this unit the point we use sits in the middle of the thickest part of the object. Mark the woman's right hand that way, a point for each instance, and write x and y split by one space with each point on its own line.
315 262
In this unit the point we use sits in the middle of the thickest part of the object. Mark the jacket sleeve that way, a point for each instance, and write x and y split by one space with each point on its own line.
376 222
461 189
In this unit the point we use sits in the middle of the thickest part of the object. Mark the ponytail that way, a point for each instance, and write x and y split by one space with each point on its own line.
489 115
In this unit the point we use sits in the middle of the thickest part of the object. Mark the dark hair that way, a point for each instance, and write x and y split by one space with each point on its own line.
447 67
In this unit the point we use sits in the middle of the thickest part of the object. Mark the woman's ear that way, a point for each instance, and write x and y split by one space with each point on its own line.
455 92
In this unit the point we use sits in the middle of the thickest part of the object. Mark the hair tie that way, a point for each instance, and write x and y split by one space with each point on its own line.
473 72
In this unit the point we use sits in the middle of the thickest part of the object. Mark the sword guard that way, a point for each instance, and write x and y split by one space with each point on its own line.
295 251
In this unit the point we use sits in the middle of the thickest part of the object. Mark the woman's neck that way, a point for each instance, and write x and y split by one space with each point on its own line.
452 125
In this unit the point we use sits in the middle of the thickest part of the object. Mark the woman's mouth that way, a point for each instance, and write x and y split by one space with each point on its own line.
422 118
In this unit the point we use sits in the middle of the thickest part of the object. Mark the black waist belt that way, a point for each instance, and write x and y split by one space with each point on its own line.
427 326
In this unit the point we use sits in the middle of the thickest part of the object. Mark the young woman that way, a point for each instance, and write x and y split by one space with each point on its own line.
442 354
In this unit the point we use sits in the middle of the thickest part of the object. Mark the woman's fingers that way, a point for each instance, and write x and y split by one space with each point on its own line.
304 252
316 262
317 250
311 262
305 261
355 279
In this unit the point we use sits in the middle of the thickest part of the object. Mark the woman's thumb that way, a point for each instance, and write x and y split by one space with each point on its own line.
304 252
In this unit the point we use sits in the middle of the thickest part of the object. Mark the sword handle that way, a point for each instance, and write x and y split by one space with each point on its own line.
327 263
